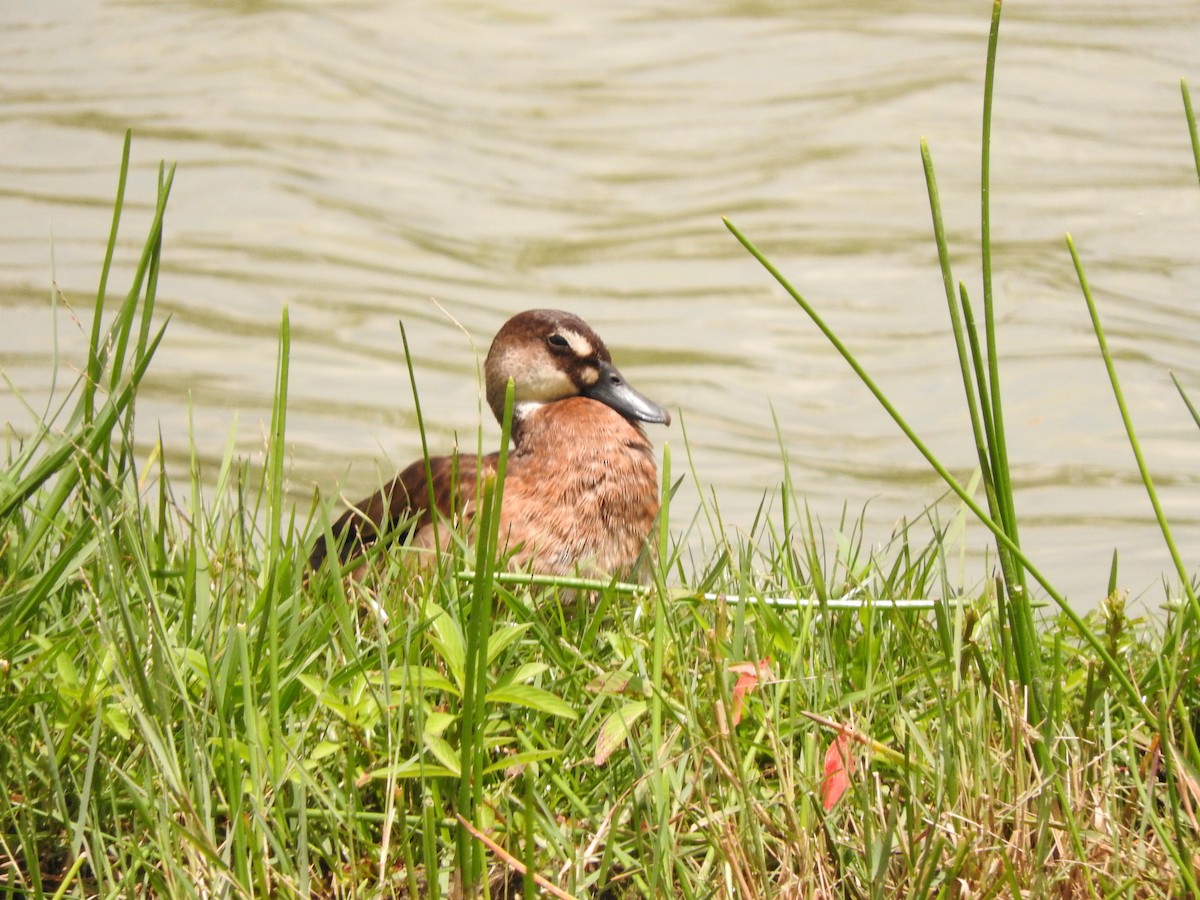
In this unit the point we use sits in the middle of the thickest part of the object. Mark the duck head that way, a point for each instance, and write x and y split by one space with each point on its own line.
552 355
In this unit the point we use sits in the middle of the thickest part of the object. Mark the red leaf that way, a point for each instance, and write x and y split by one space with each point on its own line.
749 674
839 766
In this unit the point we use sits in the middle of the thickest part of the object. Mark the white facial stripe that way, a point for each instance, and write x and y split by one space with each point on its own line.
580 345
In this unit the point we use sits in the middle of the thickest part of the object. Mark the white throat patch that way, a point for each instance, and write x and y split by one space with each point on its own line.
544 385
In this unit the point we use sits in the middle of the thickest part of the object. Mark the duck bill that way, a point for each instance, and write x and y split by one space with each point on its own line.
613 390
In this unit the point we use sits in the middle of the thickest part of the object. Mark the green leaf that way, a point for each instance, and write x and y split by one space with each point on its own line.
437 723
443 753
422 678
326 697
325 749
526 673
118 720
534 698
68 675
616 728
413 768
502 637
521 759
447 639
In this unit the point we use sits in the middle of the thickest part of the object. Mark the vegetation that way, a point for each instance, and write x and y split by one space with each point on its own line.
186 714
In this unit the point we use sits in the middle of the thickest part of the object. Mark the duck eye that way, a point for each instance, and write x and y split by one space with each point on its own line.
558 342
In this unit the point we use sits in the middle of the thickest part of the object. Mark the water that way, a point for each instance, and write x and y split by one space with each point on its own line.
356 161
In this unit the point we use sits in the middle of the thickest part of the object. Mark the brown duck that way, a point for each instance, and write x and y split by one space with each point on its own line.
581 487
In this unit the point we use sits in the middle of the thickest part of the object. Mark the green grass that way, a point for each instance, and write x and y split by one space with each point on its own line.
185 715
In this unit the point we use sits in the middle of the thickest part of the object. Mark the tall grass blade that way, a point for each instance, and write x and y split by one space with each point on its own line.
1135 445
974 373
95 362
412 380
277 569
999 446
1186 400
964 358
1190 115
473 748
1020 613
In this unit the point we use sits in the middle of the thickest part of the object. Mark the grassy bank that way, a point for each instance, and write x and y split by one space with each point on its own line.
185 715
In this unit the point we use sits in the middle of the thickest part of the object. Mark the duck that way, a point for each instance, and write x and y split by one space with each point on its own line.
580 494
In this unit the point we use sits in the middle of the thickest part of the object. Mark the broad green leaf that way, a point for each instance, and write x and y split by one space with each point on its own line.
118 721
447 639
324 749
326 697
320 689
502 637
68 675
437 723
521 759
443 753
616 728
421 678
526 673
413 768
534 698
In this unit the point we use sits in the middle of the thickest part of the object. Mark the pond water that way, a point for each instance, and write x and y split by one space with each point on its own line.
365 162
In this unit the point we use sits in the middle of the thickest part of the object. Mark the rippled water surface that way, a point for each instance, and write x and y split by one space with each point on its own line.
358 161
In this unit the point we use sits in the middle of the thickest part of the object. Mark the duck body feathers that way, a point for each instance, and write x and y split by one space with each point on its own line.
581 484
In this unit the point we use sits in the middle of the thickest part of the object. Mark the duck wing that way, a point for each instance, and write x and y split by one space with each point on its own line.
404 506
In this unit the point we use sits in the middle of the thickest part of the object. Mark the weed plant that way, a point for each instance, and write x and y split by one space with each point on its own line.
187 713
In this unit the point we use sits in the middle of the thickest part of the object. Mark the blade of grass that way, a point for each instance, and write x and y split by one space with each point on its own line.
999 446
659 875
1135 445
964 360
1191 122
1186 400
272 589
1025 641
95 358
979 406
412 380
473 749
